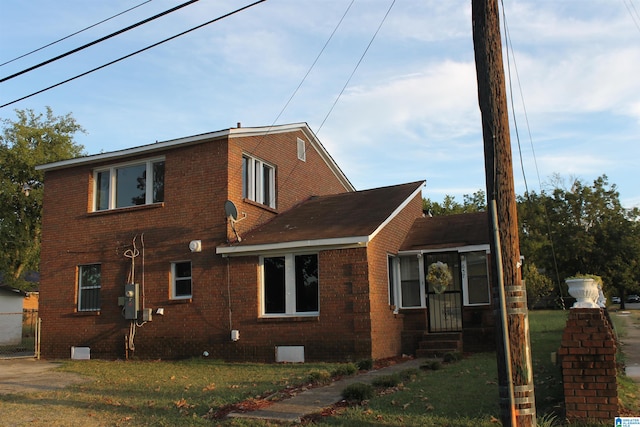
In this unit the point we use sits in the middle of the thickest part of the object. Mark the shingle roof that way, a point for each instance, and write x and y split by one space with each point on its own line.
336 216
448 231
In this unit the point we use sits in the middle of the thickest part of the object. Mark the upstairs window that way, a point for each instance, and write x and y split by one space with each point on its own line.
258 181
89 287
302 150
127 185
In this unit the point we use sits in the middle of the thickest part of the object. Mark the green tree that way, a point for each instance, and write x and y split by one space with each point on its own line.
538 285
582 229
29 140
471 203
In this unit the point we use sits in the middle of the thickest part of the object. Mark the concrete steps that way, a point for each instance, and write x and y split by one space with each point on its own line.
437 344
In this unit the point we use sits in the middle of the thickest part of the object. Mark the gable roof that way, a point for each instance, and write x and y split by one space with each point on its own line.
238 132
337 220
447 232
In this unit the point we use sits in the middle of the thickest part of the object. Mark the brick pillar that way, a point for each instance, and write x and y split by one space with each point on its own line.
588 357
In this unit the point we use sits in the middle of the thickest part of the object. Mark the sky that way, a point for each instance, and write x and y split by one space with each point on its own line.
389 87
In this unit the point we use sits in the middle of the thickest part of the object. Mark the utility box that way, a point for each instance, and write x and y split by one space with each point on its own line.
146 315
131 301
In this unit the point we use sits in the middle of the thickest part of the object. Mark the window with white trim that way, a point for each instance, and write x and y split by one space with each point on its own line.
393 279
475 278
125 185
89 283
258 181
290 285
411 287
302 150
181 284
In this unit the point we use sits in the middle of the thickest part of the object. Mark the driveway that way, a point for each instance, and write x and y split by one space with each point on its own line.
28 375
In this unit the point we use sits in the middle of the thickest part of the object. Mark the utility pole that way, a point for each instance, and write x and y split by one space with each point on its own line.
517 401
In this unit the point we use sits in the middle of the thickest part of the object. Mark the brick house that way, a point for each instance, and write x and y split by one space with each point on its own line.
246 243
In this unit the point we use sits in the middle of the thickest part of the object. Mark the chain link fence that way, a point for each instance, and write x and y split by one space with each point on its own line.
19 334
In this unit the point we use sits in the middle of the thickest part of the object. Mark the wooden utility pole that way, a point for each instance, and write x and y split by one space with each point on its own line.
517 402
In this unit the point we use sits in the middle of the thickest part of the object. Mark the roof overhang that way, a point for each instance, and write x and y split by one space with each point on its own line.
197 139
459 249
320 244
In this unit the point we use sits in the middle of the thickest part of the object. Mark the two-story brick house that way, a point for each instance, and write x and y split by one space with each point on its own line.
247 244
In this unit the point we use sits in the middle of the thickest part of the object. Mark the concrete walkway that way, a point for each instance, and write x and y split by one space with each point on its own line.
314 400
631 346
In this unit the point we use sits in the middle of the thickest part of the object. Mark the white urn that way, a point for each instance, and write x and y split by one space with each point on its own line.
585 291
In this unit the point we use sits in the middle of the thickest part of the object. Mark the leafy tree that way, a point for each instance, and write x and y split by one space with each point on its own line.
471 203
538 285
29 140
582 229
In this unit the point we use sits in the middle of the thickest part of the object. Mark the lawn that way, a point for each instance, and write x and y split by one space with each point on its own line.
193 392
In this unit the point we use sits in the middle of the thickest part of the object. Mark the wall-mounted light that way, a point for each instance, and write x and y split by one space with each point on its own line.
195 246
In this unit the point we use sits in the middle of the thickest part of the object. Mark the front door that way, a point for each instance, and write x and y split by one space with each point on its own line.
445 311
444 306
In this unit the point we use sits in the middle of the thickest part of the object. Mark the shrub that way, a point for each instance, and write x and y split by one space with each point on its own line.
452 357
386 381
345 370
358 392
365 364
408 374
432 365
319 376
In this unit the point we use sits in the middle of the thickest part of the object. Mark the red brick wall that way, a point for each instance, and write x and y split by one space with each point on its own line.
386 327
588 362
296 180
196 188
340 332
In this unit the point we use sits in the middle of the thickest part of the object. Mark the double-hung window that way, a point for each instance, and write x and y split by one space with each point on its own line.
290 285
475 278
89 287
181 280
258 181
126 185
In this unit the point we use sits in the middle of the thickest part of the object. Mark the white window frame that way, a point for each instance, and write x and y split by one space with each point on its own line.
302 149
82 287
393 277
253 183
421 278
175 279
113 182
465 280
290 286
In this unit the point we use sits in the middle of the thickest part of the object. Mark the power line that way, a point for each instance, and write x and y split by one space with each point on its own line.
133 53
384 18
509 47
73 34
78 49
635 17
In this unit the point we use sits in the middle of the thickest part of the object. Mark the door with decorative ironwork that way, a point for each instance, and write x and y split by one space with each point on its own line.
444 303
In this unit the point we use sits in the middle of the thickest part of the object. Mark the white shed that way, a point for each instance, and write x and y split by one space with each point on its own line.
11 302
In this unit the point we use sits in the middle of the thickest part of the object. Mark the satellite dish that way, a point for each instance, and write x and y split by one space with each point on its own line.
230 210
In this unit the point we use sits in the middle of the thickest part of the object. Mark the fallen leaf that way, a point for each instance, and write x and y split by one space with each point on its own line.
209 387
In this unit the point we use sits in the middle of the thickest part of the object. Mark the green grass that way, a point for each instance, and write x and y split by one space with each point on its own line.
187 393
138 393
463 393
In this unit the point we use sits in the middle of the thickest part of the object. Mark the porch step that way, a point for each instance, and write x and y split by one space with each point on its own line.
437 344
